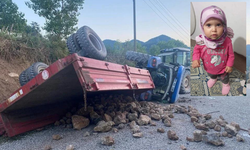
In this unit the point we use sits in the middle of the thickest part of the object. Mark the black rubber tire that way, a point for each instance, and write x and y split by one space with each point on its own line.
72 44
91 43
137 57
35 69
185 84
23 78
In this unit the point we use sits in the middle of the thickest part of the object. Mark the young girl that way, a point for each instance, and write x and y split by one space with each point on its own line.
214 47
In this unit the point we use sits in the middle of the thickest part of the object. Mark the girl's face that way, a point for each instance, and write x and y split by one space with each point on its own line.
213 28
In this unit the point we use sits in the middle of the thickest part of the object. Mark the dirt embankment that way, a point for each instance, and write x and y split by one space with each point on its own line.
10 84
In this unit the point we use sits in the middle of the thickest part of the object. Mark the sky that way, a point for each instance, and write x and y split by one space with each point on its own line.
113 19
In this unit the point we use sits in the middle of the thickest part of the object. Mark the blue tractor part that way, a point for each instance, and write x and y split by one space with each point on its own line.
154 62
177 84
167 79
146 96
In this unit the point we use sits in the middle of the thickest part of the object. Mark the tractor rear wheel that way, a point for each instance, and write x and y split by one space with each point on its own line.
185 84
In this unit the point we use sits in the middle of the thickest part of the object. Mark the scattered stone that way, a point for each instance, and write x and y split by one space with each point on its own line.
132 124
40 129
167 122
108 140
190 139
57 123
70 147
210 124
120 118
103 126
236 125
201 126
56 137
183 147
217 128
229 135
221 122
230 129
137 135
203 132
13 75
121 126
239 138
68 115
79 122
86 134
202 120
172 135
171 115
213 138
197 135
155 116
47 147
115 130
107 117
224 134
181 109
94 117
207 116
69 126
134 127
161 130
133 116
152 123
194 119
143 120
194 113
62 121
221 117
68 121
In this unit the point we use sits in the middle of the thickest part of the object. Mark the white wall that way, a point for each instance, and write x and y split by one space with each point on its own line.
236 19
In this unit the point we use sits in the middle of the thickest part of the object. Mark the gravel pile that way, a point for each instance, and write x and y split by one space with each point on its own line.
119 122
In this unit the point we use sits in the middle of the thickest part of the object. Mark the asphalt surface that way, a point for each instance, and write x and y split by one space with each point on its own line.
233 109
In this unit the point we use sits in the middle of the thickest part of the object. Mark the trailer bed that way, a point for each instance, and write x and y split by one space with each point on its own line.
53 92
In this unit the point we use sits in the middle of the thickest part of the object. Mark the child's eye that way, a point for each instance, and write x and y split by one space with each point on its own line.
218 24
208 25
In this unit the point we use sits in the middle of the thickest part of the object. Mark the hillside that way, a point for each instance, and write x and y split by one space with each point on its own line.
147 44
10 84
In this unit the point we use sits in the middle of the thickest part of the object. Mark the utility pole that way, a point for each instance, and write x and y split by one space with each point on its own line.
134 27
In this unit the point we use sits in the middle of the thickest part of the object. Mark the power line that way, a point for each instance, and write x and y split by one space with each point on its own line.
173 17
165 21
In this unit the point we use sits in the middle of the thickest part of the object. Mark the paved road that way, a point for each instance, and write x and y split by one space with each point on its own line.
235 109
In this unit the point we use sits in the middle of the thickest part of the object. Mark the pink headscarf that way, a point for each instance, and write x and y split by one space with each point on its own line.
213 12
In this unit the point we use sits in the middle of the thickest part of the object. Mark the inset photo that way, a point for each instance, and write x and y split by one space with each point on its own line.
218 49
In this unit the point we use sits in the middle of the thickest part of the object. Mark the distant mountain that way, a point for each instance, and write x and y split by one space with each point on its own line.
138 41
109 43
147 44
156 40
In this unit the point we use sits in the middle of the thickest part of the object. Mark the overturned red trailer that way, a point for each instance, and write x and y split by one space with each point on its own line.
54 91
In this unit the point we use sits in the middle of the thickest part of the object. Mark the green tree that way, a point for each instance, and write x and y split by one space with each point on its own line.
154 50
117 53
10 18
33 29
60 15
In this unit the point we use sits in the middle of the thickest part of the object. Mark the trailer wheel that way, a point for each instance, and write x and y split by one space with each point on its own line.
137 57
23 78
185 84
91 43
73 45
35 69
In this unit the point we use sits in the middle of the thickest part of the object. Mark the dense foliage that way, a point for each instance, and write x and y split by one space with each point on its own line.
60 15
